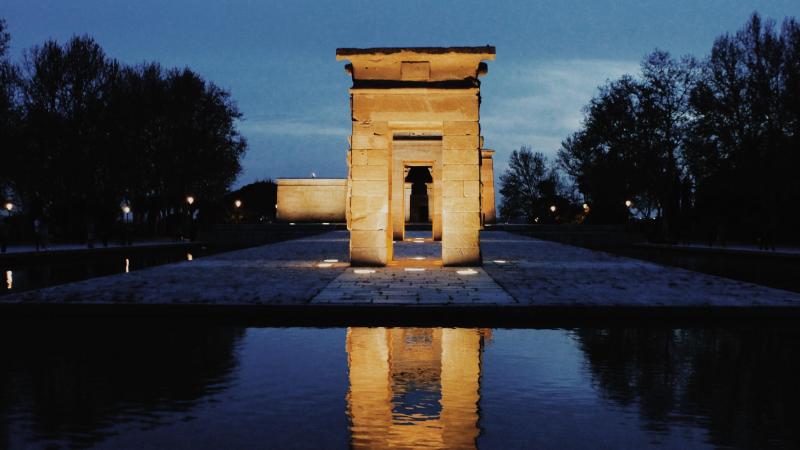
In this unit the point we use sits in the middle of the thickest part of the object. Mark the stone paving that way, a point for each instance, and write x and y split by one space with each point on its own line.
414 285
281 273
517 272
537 272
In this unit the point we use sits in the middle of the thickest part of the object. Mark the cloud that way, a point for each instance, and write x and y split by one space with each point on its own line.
539 104
291 127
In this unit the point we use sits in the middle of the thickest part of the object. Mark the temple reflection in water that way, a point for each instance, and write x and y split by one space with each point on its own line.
414 387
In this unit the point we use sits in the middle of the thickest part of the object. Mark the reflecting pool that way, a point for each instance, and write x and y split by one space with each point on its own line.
190 385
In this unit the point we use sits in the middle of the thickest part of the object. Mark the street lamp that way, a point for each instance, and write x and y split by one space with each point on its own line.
553 208
238 204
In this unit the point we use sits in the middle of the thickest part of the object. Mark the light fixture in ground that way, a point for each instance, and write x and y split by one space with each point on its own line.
363 271
418 258
331 260
324 265
499 261
415 269
326 223
189 257
467 272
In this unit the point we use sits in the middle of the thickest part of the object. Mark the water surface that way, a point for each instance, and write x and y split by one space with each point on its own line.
187 385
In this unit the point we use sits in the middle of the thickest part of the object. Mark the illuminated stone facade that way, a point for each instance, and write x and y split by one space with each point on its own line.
311 200
415 107
414 387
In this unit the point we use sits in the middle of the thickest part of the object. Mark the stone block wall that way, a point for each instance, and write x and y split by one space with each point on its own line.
311 199
461 202
408 94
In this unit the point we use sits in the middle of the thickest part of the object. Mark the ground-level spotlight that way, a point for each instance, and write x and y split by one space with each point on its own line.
9 279
415 269
628 203
291 223
364 271
127 265
418 258
189 257
467 272
500 261
326 223
331 260
324 265
8 206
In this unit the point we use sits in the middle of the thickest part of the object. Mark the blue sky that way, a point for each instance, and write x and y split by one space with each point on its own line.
278 58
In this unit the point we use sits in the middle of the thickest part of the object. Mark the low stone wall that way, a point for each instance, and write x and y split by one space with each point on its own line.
311 199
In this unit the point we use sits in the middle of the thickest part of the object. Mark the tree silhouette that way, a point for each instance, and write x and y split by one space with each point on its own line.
94 133
530 186
708 146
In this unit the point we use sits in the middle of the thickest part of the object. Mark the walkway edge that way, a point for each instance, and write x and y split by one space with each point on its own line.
324 315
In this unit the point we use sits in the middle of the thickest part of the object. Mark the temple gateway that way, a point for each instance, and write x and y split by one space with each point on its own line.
416 155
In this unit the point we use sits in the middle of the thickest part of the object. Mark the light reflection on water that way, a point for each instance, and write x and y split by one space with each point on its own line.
188 385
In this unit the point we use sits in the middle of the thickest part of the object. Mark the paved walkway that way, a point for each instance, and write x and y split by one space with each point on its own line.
517 272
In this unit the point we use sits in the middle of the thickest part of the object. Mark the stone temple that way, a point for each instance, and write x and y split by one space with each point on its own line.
416 155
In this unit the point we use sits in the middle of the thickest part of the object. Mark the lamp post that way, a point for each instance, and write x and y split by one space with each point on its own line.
5 233
237 204
126 232
628 205
190 202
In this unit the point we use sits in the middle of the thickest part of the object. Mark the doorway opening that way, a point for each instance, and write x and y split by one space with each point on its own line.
418 191
417 248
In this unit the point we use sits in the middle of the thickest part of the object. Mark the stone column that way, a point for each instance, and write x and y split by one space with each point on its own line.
487 186
460 380
370 231
369 399
461 208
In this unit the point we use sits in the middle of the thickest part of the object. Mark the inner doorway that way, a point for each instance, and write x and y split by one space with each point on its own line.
417 246
416 198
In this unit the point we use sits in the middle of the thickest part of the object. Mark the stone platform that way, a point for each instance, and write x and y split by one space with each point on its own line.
519 275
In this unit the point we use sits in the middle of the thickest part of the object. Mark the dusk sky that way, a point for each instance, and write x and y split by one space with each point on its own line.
278 58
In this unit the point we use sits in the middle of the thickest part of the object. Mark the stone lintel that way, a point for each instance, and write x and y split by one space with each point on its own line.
414 91
453 67
346 53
